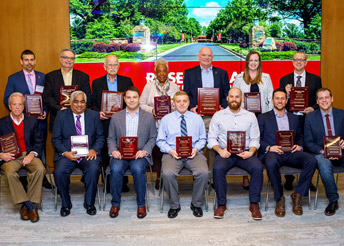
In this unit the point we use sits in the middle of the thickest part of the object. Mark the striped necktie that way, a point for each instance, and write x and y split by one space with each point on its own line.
298 81
29 84
183 128
78 131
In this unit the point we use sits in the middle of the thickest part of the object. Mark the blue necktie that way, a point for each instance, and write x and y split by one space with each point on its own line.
298 81
183 128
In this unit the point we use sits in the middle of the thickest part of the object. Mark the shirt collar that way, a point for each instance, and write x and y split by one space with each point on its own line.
15 121
277 114
82 115
228 111
70 72
186 114
26 73
108 79
329 113
303 75
209 69
136 113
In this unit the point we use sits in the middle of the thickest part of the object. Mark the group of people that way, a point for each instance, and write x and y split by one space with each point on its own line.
156 138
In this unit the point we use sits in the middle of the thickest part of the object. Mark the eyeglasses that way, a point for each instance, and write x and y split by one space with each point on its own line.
68 58
299 60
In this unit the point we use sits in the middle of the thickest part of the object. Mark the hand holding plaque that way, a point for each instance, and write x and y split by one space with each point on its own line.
252 102
34 105
236 141
79 144
65 93
332 147
9 144
285 139
112 102
128 147
162 106
184 146
208 100
298 98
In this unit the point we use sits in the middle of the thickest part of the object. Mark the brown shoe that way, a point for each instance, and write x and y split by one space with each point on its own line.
220 211
254 209
141 212
24 214
296 201
114 211
280 207
34 217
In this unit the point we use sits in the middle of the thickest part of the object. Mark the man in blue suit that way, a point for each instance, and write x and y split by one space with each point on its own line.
279 119
77 120
325 121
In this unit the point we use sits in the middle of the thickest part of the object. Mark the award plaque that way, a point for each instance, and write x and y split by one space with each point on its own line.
332 147
162 106
33 105
285 139
252 102
112 102
184 146
298 99
65 92
9 144
79 144
208 100
128 147
236 141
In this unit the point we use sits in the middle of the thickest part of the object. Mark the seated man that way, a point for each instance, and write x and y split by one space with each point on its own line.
234 118
30 145
183 123
325 121
279 119
77 120
130 122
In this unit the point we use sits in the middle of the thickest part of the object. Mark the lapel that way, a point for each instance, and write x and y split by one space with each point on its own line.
103 84
291 123
9 123
74 78
216 80
272 119
26 133
319 119
308 81
70 121
38 79
199 77
59 78
141 119
23 83
87 124
336 122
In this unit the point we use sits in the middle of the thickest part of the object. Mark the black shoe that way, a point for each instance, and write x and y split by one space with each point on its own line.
65 211
331 208
125 188
197 212
46 184
312 187
172 213
90 209
289 179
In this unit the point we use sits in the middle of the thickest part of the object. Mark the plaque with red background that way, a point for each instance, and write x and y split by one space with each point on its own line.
128 147
208 100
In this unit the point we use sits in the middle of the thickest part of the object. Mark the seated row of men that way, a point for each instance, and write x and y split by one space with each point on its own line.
260 138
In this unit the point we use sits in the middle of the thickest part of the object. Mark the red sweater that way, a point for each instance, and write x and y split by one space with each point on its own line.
20 135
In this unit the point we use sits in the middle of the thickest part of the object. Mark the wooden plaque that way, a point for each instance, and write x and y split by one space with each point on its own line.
65 92
112 102
298 98
236 141
285 139
208 100
332 147
34 105
9 144
184 146
162 106
128 147
252 102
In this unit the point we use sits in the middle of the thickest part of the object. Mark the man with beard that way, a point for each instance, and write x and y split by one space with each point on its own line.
234 118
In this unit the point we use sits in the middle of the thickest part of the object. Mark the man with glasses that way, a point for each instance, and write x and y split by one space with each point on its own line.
64 76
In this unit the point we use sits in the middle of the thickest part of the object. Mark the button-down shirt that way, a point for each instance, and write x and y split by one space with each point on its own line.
67 77
82 121
169 129
282 122
330 116
207 77
112 86
132 123
224 120
33 79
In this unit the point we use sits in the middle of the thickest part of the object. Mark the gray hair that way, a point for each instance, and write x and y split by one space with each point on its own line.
159 62
16 94
75 94
67 49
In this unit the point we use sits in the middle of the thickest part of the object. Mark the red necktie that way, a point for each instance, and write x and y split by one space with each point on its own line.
328 125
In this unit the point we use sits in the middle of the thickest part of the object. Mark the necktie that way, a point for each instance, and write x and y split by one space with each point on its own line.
328 125
78 130
29 84
298 81
183 128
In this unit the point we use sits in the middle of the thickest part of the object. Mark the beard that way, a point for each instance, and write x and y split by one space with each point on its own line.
234 105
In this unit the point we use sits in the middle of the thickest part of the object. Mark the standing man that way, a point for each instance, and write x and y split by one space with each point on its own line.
131 122
279 119
109 82
182 122
30 145
77 120
64 76
325 121
234 118
301 78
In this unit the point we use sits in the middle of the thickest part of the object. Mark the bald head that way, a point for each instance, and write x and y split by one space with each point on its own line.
111 65
205 57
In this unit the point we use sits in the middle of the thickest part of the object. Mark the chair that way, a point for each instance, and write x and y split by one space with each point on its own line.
337 170
284 170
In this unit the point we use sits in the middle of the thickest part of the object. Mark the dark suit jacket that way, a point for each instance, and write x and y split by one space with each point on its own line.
193 81
51 93
146 132
312 81
315 129
64 128
32 134
268 127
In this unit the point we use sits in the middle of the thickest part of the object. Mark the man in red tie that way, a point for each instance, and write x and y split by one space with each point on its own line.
325 121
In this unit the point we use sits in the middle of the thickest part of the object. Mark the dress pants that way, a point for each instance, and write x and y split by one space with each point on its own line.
252 165
63 170
199 168
298 159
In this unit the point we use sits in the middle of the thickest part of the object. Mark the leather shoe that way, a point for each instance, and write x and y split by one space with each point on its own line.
220 211
34 217
296 200
197 211
90 209
254 209
141 212
114 211
65 211
172 213
24 213
331 208
46 184
280 207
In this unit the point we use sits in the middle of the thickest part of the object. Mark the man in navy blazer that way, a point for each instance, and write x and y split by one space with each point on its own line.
325 121
272 155
77 120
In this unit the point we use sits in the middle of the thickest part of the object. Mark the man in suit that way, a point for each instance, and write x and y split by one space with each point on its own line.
131 122
64 76
30 144
77 120
109 82
279 119
300 77
325 121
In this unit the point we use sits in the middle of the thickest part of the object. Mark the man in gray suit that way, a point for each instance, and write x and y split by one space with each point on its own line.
126 124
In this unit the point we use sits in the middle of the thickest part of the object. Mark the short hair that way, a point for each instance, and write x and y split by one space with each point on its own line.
323 90
132 88
15 94
300 52
27 52
159 62
75 94
279 90
67 49
180 93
